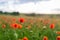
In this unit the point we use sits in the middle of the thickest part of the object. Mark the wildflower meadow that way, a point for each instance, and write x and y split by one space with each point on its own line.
29 28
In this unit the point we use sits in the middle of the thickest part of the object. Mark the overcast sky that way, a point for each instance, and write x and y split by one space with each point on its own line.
29 6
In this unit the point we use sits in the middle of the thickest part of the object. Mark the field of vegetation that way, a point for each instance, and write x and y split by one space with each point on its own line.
22 27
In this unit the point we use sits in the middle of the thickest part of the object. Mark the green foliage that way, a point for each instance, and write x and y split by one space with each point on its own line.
15 13
34 33
10 13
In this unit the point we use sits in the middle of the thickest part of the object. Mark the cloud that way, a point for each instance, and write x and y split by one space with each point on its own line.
48 6
10 6
39 7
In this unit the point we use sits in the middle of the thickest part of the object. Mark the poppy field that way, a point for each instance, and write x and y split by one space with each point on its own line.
29 28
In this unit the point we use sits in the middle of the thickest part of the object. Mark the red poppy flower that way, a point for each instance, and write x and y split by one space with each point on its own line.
25 38
28 27
15 25
58 32
45 38
21 20
52 26
13 19
3 26
58 38
19 26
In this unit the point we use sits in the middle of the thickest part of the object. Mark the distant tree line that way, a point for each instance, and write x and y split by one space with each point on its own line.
9 13
30 14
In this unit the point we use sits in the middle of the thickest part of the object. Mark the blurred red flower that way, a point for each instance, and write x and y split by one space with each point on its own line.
21 20
58 38
13 19
28 27
3 26
15 25
58 32
25 38
19 26
52 26
45 38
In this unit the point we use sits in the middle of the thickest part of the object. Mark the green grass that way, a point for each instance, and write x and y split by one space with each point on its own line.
36 32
